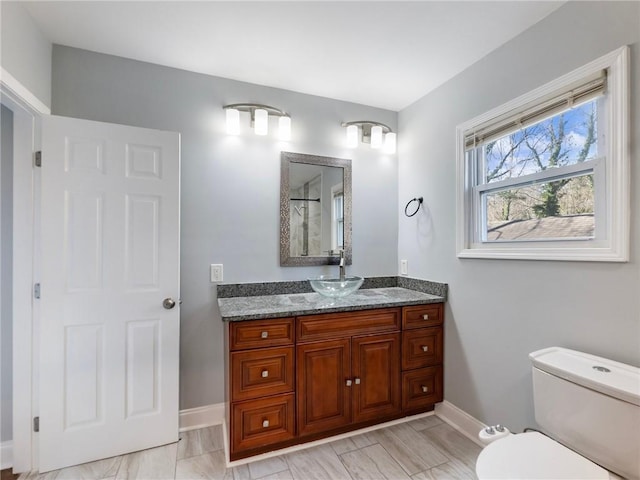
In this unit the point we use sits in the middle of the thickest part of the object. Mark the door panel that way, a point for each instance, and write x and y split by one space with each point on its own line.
324 400
84 345
376 371
110 255
84 213
143 367
142 240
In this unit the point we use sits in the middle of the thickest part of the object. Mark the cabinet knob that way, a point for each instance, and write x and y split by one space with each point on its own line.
424 388
348 382
265 373
425 317
264 334
425 348
357 381
265 423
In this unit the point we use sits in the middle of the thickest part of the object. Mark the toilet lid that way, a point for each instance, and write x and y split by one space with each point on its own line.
534 455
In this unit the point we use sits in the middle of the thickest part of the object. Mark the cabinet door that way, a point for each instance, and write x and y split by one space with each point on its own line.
376 372
323 397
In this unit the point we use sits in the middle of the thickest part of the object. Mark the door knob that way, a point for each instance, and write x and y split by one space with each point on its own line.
168 303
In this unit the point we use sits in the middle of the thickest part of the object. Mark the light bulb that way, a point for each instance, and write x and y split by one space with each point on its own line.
233 121
352 136
376 136
284 128
390 142
261 121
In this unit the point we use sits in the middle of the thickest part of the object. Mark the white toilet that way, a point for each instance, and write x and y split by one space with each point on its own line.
589 406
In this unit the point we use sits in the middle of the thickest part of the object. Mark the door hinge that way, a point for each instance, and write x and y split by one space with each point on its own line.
38 160
36 424
36 290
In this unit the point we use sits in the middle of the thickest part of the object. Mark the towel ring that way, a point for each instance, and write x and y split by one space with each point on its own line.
419 200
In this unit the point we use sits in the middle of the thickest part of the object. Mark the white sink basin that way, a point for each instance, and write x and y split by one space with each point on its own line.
334 287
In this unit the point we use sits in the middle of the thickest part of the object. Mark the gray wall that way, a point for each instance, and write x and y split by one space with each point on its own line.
231 185
6 257
500 310
26 53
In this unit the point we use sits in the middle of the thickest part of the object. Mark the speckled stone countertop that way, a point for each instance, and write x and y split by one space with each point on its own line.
393 292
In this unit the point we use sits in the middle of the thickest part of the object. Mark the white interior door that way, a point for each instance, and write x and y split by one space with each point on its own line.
110 257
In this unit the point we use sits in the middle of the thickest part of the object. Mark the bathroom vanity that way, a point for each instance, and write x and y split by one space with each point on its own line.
302 367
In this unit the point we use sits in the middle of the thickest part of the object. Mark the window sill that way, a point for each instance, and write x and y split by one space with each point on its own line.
575 254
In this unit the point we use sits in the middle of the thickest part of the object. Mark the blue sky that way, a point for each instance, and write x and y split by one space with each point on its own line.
521 160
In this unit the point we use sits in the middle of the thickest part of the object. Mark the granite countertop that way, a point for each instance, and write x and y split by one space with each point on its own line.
236 308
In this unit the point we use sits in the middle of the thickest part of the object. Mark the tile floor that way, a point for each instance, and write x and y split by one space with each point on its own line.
425 448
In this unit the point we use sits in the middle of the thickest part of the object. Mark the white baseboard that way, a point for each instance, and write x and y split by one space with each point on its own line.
460 420
201 417
6 454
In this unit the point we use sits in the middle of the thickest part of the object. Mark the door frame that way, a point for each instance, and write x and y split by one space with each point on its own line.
27 110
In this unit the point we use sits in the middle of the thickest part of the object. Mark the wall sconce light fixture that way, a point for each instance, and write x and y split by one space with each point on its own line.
259 119
371 132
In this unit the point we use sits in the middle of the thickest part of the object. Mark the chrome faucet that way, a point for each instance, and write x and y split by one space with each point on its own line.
341 265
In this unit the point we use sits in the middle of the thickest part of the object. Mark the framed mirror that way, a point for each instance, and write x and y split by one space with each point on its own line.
315 210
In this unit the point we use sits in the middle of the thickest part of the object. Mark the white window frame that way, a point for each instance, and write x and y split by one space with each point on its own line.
611 243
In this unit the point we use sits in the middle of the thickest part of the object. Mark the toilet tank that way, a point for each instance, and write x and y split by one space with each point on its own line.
591 405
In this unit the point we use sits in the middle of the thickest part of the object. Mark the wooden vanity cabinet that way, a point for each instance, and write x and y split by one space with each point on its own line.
348 381
348 368
261 384
422 357
294 380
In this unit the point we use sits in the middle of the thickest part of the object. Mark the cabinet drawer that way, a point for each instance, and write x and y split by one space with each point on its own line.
260 373
420 316
347 324
421 388
261 333
421 348
256 423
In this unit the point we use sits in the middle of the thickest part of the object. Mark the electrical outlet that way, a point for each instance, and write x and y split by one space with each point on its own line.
216 272
404 267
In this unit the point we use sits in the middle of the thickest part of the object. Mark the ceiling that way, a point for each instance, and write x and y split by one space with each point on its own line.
385 54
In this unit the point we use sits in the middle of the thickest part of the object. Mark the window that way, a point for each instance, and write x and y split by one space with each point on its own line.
546 176
337 217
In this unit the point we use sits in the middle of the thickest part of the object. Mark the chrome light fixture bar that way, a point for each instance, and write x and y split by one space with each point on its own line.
372 133
259 119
